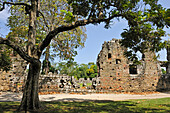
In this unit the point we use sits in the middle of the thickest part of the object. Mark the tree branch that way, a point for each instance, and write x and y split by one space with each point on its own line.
46 24
76 24
11 3
92 9
18 49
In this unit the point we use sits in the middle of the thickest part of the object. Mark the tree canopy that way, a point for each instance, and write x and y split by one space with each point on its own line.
78 70
64 44
142 16
5 61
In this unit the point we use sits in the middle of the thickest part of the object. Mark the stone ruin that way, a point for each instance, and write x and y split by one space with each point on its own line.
65 83
13 80
117 73
164 81
48 83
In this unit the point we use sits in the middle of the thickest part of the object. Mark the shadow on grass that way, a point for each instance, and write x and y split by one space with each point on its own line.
67 105
9 107
87 106
97 106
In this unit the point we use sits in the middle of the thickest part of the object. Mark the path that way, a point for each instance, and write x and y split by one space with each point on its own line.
77 97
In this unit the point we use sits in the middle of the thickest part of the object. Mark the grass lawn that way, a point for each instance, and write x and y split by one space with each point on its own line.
131 106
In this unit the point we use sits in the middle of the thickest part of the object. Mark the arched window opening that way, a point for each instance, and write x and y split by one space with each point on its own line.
133 69
109 56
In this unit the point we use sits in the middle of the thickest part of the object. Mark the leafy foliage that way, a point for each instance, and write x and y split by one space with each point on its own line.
78 71
5 61
146 20
167 17
58 13
66 67
92 72
163 71
145 30
51 68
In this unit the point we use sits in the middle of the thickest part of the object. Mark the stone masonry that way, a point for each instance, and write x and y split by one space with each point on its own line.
64 83
116 73
13 80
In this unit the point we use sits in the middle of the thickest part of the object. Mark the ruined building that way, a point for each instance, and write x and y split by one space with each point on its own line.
9 81
14 78
116 73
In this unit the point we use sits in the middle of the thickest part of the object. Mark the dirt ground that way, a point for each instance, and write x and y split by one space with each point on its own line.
8 96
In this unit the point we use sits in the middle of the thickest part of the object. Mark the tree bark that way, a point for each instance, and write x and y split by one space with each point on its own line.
168 63
30 99
47 54
32 27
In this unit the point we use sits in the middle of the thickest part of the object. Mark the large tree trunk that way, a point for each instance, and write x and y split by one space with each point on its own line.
30 99
168 63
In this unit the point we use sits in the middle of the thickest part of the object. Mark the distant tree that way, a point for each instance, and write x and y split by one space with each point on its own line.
61 45
5 60
163 71
67 68
73 69
78 71
90 64
50 67
81 71
92 71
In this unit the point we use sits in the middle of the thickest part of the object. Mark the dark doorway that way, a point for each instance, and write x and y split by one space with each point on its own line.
109 56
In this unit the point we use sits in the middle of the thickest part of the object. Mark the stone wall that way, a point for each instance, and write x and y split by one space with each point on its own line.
164 83
116 73
64 83
48 83
13 80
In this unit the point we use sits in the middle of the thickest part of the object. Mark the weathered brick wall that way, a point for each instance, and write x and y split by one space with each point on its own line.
47 83
114 75
63 83
164 82
53 82
13 79
114 71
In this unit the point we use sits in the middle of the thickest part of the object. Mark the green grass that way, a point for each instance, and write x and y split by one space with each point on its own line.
131 106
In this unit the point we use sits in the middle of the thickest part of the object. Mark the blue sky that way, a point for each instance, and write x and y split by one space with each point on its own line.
96 35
